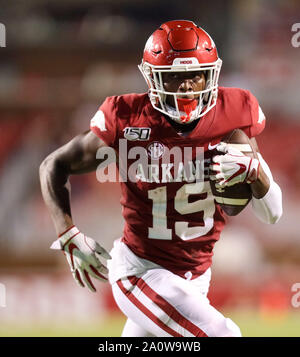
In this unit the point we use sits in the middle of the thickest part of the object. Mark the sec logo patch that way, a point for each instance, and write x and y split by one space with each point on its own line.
155 150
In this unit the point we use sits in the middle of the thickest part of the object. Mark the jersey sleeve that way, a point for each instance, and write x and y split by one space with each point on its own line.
258 119
104 122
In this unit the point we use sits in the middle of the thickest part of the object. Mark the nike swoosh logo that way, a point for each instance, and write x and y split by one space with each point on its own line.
239 172
212 147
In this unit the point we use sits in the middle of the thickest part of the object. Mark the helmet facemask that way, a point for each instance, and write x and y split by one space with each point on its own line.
182 112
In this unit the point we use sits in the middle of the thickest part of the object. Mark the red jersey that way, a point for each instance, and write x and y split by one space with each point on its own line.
171 218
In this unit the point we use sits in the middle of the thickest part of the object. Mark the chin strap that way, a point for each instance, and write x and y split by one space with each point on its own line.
187 106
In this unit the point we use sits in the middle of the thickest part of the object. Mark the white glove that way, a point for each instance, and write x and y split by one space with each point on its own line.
233 167
80 252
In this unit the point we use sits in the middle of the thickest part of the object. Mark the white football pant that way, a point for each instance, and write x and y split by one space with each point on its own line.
160 303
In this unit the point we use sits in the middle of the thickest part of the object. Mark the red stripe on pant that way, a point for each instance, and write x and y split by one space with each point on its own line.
167 307
146 311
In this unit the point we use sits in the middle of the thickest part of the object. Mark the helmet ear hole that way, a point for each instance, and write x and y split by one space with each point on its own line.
147 69
147 74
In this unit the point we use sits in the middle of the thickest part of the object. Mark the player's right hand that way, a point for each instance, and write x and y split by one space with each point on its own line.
80 252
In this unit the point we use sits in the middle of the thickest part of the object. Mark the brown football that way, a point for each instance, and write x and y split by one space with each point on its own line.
235 198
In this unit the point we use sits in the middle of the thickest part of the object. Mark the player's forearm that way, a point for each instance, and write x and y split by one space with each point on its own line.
261 186
56 193
268 207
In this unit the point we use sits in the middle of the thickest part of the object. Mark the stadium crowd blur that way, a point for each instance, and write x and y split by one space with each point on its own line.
62 58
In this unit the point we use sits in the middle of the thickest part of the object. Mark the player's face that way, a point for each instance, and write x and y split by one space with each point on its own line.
183 82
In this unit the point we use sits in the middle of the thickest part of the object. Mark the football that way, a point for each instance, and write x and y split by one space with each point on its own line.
235 198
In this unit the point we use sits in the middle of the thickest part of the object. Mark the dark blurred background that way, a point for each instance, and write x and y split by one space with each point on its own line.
62 58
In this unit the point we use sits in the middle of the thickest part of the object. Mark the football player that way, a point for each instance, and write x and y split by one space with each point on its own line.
160 268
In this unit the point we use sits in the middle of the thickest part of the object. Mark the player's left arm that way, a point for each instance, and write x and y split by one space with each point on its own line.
262 184
267 195
234 167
